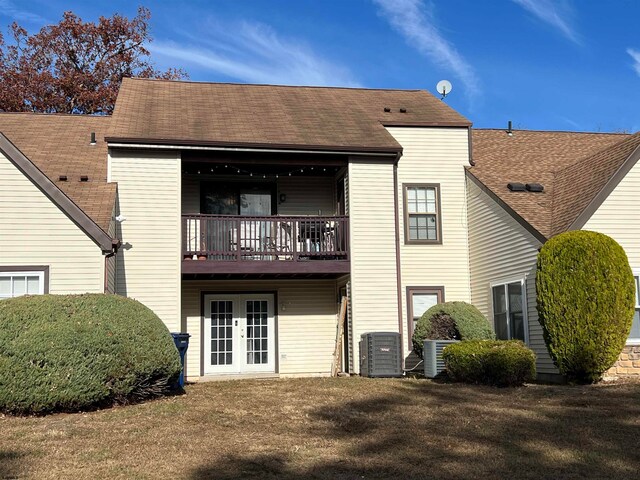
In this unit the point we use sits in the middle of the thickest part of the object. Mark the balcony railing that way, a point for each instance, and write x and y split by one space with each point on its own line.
243 238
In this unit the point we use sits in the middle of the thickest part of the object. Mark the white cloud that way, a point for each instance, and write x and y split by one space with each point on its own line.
410 18
635 54
554 13
254 52
9 9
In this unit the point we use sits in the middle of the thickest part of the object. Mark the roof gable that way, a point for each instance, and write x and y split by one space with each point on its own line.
55 194
573 167
341 119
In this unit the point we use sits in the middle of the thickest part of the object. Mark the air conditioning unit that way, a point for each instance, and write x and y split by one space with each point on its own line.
380 354
432 353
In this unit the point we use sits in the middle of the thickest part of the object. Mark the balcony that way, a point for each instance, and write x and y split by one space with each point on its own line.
265 245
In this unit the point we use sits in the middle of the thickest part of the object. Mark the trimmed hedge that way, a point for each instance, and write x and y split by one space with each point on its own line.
586 298
501 363
451 321
77 352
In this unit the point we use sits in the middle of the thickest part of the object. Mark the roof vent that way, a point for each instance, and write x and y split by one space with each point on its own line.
403 110
516 187
387 109
84 178
534 187
62 178
93 138
510 129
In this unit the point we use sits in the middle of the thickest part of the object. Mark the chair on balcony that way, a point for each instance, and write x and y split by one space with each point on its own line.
278 242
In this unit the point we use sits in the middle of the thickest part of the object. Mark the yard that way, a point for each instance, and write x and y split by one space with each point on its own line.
339 428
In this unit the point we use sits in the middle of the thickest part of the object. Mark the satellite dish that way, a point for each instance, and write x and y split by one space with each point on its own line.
444 88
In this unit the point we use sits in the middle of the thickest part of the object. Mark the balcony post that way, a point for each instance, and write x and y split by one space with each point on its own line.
294 239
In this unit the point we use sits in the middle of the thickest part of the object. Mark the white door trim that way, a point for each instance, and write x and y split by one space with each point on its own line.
237 346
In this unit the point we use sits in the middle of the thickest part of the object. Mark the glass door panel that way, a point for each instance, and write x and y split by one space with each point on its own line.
239 334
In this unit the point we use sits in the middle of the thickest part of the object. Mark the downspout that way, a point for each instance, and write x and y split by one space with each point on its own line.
114 250
398 269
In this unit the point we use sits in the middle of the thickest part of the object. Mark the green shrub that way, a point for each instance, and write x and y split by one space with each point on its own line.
502 363
451 321
76 352
586 297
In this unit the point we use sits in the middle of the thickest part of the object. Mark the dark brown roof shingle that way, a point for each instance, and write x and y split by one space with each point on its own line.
60 145
267 115
572 166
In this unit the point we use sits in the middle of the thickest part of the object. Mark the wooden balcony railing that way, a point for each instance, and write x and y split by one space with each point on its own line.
243 238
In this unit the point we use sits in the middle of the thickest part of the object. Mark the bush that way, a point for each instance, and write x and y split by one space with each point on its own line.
77 352
451 321
586 297
502 363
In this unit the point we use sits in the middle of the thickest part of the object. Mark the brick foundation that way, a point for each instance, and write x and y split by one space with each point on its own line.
628 364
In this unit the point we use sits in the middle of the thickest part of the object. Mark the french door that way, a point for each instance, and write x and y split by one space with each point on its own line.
239 333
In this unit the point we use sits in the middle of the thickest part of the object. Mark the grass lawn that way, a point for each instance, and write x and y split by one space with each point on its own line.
339 428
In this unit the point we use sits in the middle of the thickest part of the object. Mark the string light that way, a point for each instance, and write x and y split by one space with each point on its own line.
250 173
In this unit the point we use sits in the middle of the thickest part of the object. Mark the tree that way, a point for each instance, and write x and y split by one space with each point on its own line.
75 66
586 297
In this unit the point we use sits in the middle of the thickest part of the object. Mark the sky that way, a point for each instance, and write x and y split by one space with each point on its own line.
543 64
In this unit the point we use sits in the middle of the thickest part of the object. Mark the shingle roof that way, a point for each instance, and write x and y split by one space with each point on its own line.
266 115
60 145
573 167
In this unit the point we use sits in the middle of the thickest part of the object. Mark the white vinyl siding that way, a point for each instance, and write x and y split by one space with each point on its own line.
34 231
435 156
374 299
306 321
149 262
619 217
501 248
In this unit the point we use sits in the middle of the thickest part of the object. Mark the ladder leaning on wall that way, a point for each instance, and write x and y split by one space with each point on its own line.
337 354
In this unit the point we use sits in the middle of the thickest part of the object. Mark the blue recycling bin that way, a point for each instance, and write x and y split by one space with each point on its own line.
181 341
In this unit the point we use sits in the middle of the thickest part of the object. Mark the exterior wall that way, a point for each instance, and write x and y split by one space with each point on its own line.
628 364
148 264
435 155
374 300
305 195
34 231
501 249
306 321
619 217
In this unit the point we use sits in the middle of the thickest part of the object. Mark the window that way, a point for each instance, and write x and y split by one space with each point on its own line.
237 198
419 300
17 281
634 335
422 214
509 312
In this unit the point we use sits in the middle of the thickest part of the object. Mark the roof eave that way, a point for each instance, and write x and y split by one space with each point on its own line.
53 192
408 123
505 206
605 191
345 149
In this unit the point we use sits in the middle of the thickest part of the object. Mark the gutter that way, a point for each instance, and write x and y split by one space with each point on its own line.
263 148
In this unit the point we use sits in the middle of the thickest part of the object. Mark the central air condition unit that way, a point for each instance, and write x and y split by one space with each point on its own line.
432 353
380 354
